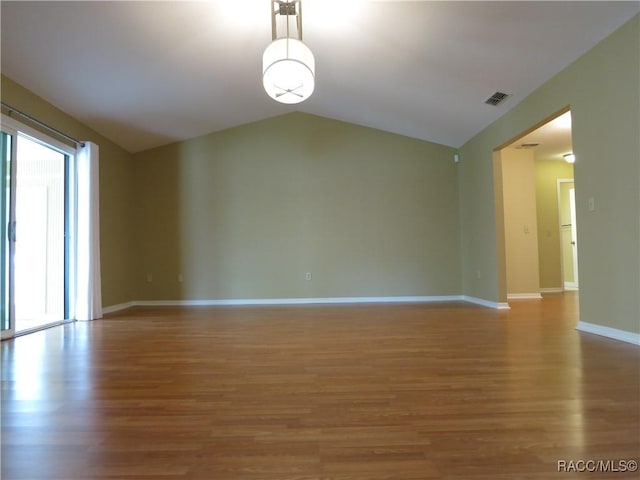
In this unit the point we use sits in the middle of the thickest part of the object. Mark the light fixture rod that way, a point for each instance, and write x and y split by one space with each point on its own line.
287 18
299 19
286 8
273 23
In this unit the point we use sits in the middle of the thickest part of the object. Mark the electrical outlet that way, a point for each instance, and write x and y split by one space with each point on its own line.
180 278
308 276
149 278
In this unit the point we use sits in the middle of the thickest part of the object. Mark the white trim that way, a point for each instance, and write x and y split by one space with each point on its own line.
304 301
118 307
614 333
486 303
571 286
552 290
524 296
294 301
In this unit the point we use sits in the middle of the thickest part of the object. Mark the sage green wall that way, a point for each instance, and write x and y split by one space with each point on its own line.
245 213
547 174
116 190
602 89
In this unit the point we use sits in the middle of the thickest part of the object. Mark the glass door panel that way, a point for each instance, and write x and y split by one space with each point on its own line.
39 258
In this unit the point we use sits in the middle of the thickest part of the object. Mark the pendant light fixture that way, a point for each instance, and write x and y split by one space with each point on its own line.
288 66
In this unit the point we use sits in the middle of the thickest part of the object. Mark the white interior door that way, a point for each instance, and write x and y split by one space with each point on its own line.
568 233
574 235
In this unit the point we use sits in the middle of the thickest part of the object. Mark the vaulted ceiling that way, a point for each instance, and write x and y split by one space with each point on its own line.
145 74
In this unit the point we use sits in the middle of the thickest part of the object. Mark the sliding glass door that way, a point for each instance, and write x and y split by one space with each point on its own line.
35 247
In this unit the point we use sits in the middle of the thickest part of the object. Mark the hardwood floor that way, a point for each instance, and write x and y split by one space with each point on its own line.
434 391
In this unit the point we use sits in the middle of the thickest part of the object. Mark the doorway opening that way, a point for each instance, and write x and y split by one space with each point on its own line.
535 211
36 224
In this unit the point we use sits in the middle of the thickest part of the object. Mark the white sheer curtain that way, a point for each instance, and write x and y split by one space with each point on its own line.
86 280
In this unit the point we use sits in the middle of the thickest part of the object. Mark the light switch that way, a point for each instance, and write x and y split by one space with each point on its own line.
591 204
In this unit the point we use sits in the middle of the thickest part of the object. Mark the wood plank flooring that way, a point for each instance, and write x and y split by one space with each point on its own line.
380 392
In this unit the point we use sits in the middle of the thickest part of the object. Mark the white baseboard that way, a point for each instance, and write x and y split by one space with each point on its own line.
486 303
305 301
523 296
571 286
299 301
609 332
552 290
118 307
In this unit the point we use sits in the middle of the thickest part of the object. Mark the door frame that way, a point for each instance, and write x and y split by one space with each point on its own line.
499 203
7 230
16 128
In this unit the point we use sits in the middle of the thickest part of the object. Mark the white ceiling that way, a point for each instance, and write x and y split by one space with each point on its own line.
552 140
148 73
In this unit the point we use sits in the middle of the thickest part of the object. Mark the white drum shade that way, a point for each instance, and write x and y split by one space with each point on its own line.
288 70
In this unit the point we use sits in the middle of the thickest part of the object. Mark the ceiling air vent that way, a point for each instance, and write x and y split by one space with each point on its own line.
529 145
496 98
